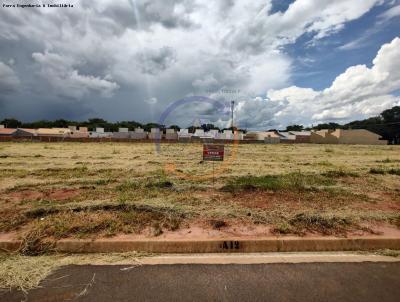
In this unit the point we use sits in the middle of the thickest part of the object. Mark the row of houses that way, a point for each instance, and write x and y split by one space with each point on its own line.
338 136
123 133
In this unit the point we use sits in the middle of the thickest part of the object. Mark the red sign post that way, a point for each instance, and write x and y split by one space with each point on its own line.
213 152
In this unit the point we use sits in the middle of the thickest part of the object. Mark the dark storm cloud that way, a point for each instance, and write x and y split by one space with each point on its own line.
154 61
9 81
28 107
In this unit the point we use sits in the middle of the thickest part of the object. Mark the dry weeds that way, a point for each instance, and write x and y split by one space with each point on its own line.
59 190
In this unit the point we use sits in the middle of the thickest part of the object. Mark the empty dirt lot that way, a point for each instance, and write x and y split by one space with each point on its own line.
59 190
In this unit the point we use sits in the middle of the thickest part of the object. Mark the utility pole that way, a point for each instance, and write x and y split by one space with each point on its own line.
232 109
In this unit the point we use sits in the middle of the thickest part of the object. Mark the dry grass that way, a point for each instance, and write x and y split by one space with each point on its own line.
384 171
293 181
304 223
25 272
143 158
389 253
58 190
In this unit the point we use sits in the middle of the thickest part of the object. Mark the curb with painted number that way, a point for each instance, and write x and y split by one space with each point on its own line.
232 245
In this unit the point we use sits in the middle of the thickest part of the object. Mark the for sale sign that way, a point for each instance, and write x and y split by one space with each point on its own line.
213 152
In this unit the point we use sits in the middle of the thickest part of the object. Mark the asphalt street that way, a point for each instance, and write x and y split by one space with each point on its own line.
368 281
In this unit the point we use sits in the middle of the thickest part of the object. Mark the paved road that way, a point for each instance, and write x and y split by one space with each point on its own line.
198 282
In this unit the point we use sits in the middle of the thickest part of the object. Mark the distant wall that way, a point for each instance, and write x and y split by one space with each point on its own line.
303 139
317 138
272 140
350 137
360 137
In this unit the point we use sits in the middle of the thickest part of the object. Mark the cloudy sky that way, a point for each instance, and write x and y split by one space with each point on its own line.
283 62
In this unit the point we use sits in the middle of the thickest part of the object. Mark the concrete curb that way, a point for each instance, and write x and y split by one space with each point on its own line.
229 245
265 258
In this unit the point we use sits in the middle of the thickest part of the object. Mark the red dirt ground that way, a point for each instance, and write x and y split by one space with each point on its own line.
202 230
55 194
199 232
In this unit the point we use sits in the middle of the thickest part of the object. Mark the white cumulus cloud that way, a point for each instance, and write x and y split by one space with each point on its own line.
360 91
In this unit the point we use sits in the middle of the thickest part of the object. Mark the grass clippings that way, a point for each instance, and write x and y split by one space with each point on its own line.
26 272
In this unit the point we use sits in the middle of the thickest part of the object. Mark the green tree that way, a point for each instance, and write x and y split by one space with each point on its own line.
11 123
176 127
331 126
208 127
391 115
295 128
147 127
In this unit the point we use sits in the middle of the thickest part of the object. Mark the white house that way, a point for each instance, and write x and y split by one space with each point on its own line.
171 134
184 134
139 133
227 134
122 133
286 136
199 133
99 133
155 133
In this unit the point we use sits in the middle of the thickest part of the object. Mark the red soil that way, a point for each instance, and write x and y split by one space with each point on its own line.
55 194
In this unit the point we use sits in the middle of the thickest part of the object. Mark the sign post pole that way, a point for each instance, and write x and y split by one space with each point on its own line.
213 152
213 174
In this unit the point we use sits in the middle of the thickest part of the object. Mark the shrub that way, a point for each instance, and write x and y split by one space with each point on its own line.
394 171
292 181
388 161
377 171
303 222
128 186
340 173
